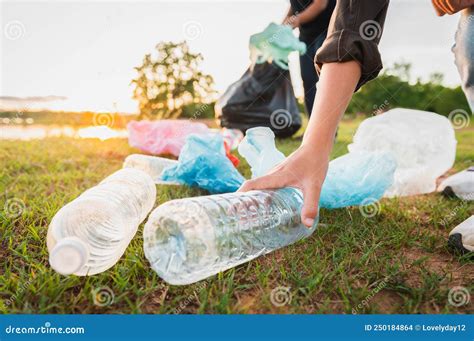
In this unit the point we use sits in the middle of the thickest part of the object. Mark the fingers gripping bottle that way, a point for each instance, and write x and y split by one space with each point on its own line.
90 234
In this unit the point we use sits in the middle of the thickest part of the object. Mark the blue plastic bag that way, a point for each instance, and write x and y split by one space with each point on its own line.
203 163
357 179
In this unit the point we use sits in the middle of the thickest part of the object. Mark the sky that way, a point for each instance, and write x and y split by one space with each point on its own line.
74 56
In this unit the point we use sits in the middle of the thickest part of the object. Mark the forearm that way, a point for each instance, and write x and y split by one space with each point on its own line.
312 11
336 86
354 37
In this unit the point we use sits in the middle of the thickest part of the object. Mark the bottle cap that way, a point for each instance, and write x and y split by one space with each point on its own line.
69 255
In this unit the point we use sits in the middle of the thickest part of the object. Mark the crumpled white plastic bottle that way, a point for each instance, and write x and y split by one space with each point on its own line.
258 148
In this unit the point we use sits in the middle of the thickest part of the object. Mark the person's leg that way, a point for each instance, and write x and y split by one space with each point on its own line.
464 53
308 72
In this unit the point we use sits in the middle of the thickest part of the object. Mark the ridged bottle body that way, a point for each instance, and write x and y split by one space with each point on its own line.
90 234
190 239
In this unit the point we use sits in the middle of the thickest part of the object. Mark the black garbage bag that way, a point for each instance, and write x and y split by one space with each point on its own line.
263 96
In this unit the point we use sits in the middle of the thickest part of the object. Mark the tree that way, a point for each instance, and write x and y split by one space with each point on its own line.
393 89
169 80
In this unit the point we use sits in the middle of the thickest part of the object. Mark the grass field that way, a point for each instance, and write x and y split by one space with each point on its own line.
394 262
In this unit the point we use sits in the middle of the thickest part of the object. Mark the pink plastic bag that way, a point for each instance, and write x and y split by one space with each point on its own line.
162 137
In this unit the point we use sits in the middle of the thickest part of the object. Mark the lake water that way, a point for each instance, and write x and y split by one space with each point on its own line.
38 131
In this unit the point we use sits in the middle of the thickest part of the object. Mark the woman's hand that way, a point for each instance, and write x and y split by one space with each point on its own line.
304 169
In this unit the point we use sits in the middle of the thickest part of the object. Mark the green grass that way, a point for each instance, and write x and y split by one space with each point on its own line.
395 262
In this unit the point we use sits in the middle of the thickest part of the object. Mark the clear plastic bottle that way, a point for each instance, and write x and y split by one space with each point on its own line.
187 240
90 234
152 165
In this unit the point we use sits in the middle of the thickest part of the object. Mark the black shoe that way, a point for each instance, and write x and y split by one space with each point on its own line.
461 238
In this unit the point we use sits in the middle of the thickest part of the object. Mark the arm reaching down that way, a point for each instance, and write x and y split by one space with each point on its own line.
306 167
348 58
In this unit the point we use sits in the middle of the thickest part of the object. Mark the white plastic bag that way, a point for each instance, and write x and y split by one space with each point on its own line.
422 142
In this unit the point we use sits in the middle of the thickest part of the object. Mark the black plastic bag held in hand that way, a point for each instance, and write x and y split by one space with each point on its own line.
263 96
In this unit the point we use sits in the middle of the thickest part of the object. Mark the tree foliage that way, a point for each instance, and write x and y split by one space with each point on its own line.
169 80
393 89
